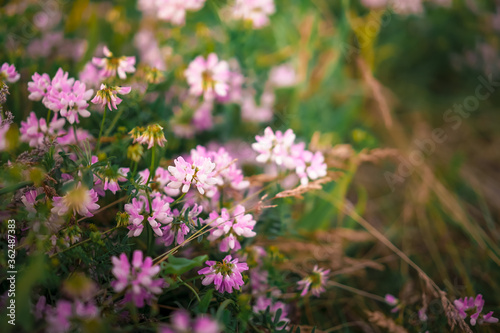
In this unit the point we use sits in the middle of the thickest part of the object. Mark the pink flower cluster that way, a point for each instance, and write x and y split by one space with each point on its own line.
61 94
230 226
316 281
79 200
173 11
9 73
136 278
181 322
475 307
35 131
199 173
60 317
225 275
208 77
281 149
108 96
255 11
110 65
263 303
160 214
226 170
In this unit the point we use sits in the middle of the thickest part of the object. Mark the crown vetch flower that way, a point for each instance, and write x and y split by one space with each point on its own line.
310 166
8 73
225 275
275 147
79 200
35 130
160 214
108 96
316 281
112 65
181 322
226 170
255 11
39 87
200 173
173 11
152 135
137 278
208 77
239 224
263 303
474 306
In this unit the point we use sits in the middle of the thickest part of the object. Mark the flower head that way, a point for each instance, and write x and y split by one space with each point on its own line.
316 281
200 173
473 307
79 200
108 96
225 275
208 76
181 322
136 278
160 213
8 73
35 131
151 135
239 224
173 11
110 65
255 11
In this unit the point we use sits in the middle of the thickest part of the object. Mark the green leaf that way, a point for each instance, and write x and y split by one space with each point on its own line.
88 179
179 266
205 301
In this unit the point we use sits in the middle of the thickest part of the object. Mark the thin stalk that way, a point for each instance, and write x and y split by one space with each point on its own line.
100 132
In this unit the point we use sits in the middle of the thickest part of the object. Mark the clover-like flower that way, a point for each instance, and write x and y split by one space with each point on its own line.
108 96
136 278
225 275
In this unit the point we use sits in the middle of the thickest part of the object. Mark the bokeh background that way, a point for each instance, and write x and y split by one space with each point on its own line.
387 89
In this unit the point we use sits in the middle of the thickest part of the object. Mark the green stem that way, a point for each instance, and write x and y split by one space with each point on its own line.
192 289
115 120
178 199
100 131
48 117
74 133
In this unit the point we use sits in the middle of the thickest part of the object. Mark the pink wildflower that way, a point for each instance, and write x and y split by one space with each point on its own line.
275 147
208 77
181 322
39 87
255 11
283 76
315 281
264 303
200 173
112 65
137 279
79 200
475 305
108 96
310 166
35 130
239 224
226 275
9 73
